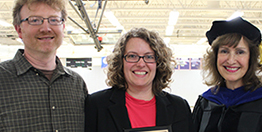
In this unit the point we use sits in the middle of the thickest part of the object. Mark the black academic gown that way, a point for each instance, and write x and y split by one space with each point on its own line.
106 112
211 117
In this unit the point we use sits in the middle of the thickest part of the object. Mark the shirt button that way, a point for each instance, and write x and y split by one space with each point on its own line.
56 130
36 74
53 108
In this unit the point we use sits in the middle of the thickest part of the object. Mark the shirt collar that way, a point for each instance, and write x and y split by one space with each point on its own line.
22 65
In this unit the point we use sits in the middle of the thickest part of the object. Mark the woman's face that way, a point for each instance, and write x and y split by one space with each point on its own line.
232 63
139 74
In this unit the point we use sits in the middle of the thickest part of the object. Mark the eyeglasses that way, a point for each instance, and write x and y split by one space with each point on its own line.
38 20
133 58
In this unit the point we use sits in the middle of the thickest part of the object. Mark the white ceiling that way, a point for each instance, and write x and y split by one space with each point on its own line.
195 18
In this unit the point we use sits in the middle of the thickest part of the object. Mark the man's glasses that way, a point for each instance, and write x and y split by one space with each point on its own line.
133 58
37 20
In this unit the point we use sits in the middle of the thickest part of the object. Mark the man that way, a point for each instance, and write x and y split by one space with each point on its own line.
36 92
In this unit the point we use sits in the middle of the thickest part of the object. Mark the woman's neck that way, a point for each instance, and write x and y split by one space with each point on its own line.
142 94
234 85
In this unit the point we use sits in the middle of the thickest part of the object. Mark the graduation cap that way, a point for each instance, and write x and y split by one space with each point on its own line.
237 25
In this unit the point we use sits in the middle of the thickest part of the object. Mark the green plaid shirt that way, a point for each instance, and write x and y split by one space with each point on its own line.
29 102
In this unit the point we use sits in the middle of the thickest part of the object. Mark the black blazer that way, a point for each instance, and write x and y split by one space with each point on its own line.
106 112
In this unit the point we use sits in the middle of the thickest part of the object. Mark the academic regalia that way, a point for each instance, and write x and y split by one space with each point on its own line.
228 111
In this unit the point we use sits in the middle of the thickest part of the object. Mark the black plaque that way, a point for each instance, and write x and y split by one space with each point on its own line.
151 129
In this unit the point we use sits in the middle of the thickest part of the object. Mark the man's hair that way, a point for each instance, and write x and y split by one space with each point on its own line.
58 5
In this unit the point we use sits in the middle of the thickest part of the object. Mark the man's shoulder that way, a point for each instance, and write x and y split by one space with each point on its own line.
71 72
7 65
6 62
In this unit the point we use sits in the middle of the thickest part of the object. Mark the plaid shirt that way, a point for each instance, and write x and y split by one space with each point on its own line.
29 102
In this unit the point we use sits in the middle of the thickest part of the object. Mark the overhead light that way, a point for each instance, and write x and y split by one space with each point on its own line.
173 16
114 21
4 23
169 30
111 17
236 14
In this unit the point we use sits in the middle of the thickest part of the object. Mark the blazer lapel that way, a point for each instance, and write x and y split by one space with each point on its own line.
163 116
118 110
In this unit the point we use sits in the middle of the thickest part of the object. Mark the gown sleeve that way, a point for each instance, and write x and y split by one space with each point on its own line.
197 114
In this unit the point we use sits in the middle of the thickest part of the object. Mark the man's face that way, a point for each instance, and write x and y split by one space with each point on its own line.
44 38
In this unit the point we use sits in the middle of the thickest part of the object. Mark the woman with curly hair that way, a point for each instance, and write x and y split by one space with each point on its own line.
234 102
139 68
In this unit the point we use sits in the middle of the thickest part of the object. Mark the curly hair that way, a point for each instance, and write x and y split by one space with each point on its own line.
58 5
210 72
165 61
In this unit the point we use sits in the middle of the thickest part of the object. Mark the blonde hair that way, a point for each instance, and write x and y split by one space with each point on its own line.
58 5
